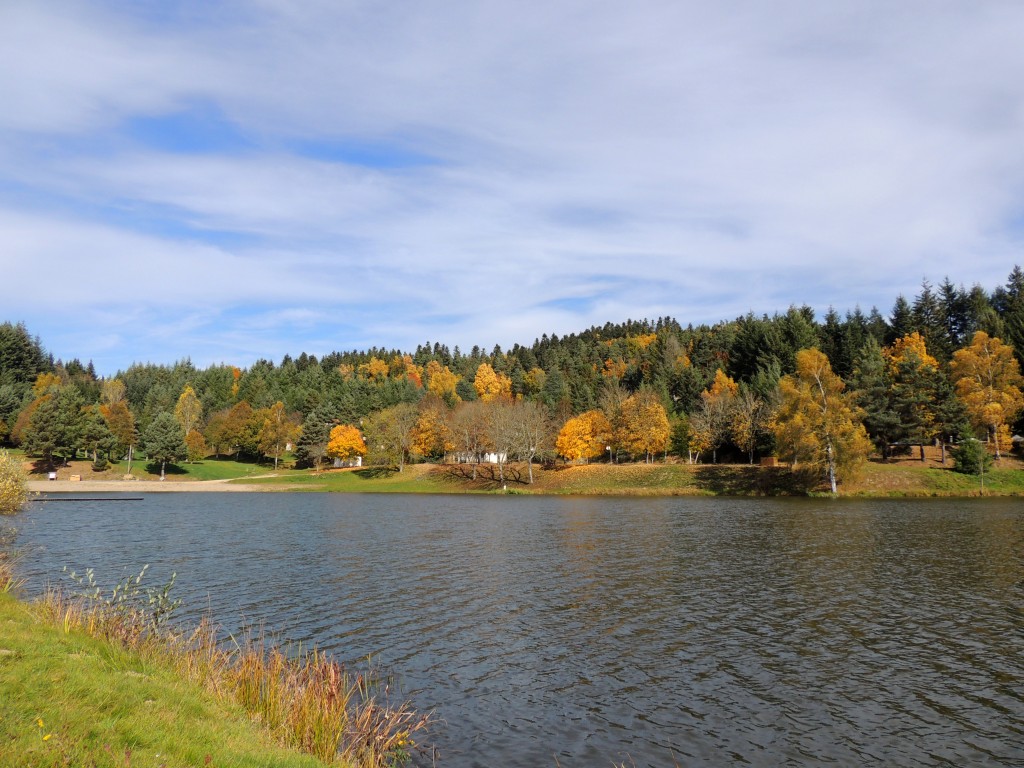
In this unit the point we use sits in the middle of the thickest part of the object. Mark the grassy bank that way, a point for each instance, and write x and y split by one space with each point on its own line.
98 682
904 477
67 699
879 479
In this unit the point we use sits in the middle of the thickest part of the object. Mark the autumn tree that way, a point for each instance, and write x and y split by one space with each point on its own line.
442 382
196 448
277 431
532 431
642 426
469 430
611 398
121 423
234 430
490 384
715 413
752 418
988 380
584 437
432 435
188 410
112 391
915 385
818 423
345 443
501 430
388 434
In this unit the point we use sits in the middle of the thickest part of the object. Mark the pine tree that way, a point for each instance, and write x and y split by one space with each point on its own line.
164 441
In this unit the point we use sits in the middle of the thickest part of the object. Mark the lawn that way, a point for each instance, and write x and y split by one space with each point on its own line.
70 700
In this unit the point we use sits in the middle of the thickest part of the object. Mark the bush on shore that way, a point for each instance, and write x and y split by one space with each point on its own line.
13 491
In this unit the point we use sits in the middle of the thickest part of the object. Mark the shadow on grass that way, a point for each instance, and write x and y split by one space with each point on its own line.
488 476
375 473
751 481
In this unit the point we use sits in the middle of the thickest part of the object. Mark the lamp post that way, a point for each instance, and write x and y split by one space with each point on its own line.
609 449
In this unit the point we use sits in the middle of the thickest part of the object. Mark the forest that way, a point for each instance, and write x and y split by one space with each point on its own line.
941 368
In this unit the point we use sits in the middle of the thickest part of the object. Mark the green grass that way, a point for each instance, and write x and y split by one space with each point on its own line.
413 479
67 699
216 469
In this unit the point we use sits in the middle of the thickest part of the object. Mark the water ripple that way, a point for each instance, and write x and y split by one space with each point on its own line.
585 632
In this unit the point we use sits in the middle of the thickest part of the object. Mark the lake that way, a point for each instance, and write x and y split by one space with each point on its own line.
592 631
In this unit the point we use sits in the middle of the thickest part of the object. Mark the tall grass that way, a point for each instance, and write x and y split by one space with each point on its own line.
308 701
8 581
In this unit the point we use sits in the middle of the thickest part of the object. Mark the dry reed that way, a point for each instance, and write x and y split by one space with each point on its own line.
308 701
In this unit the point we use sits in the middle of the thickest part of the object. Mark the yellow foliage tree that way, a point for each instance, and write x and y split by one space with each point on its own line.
402 366
112 391
642 427
752 417
711 423
584 437
442 382
46 382
345 443
817 422
910 347
375 370
490 384
188 410
277 429
534 380
988 380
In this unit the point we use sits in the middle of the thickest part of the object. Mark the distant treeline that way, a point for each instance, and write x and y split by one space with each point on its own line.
568 375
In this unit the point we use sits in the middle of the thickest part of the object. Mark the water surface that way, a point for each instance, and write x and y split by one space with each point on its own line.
582 632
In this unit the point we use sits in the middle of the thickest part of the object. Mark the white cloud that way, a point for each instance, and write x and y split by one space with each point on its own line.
581 164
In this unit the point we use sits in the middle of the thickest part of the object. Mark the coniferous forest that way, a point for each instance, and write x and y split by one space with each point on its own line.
939 368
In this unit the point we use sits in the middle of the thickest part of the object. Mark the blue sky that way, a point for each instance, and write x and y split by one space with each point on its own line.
234 181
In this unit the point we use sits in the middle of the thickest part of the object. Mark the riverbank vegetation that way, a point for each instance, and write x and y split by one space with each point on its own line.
102 681
940 369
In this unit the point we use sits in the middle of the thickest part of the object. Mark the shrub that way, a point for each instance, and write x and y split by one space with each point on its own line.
971 457
13 491
100 465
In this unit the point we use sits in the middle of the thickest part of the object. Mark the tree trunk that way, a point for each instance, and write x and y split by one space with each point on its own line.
831 467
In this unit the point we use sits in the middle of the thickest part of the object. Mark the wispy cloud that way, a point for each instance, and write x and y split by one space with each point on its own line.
241 180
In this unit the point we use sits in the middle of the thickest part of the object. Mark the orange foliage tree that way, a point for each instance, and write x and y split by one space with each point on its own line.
345 443
432 436
584 437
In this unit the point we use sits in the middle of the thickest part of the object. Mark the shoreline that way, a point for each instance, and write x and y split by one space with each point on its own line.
149 486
